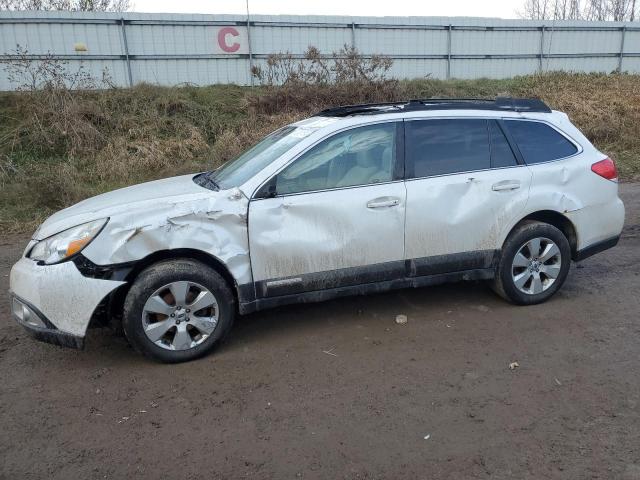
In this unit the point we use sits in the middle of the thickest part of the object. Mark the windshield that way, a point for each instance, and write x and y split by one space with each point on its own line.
236 172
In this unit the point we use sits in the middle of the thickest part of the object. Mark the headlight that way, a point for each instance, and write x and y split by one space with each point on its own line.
63 245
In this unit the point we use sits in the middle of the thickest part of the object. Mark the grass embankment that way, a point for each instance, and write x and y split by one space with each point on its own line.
59 148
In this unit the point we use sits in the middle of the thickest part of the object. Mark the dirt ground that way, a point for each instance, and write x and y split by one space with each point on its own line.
339 390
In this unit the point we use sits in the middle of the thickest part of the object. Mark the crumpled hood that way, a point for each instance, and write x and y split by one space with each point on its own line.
167 191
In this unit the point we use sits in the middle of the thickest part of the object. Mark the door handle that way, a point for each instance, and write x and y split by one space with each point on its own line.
505 185
383 202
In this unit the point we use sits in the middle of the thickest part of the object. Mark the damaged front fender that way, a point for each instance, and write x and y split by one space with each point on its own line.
212 222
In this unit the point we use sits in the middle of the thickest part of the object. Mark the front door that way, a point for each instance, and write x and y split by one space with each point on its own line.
333 217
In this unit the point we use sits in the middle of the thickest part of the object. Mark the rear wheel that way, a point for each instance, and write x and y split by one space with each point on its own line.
535 261
177 310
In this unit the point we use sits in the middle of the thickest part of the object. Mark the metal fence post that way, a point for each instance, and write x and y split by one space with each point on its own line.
353 35
624 31
250 49
540 65
449 32
126 51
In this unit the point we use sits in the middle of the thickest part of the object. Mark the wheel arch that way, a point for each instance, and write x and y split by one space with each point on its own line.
117 298
558 220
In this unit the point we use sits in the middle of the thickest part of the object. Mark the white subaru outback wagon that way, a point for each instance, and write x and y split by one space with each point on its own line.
356 199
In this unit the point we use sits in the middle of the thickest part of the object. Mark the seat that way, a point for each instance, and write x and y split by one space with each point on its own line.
372 166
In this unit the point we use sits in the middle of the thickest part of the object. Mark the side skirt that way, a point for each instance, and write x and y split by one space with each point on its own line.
366 288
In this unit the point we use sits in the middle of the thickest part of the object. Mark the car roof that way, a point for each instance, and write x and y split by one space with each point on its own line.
500 104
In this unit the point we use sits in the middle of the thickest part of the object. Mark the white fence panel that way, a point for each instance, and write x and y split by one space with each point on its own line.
171 49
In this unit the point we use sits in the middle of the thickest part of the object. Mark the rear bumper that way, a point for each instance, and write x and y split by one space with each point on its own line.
597 224
598 247
40 327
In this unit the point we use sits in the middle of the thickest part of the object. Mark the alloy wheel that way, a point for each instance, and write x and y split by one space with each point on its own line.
180 315
536 265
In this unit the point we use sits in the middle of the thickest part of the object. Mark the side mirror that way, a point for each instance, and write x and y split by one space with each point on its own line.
268 190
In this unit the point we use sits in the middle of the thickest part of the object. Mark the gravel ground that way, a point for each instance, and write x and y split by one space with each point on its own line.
340 390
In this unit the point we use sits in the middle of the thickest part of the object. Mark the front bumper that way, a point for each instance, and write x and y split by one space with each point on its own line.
55 302
39 326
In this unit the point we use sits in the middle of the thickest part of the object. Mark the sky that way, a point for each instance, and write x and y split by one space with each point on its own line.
449 8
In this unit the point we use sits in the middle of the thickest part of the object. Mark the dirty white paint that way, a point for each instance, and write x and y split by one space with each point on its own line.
321 231
461 213
60 292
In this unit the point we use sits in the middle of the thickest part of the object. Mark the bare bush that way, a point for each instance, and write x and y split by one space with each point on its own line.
351 66
596 10
279 69
70 5
315 81
46 72
345 66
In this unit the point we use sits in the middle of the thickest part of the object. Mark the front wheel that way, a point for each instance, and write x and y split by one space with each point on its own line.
177 310
534 264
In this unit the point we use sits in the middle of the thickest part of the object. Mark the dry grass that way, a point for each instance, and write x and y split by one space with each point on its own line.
605 107
236 139
57 151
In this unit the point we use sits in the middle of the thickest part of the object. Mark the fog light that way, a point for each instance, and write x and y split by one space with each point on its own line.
25 315
18 310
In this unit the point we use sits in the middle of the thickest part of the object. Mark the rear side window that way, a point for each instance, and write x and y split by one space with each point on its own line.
539 142
437 147
501 153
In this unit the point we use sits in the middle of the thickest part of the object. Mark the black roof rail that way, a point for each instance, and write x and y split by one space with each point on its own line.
507 104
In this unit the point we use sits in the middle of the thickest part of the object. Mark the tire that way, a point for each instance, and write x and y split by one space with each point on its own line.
163 329
529 278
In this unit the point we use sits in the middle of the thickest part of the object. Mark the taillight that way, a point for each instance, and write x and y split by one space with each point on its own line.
606 169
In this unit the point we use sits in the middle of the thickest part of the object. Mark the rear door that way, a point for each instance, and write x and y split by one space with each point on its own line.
464 185
333 217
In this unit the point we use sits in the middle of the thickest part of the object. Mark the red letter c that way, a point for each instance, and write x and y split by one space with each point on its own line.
222 39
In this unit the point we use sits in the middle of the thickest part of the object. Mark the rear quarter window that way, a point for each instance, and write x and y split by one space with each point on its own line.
538 142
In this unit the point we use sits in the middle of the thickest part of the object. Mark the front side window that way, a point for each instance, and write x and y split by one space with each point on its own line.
538 142
438 147
359 156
